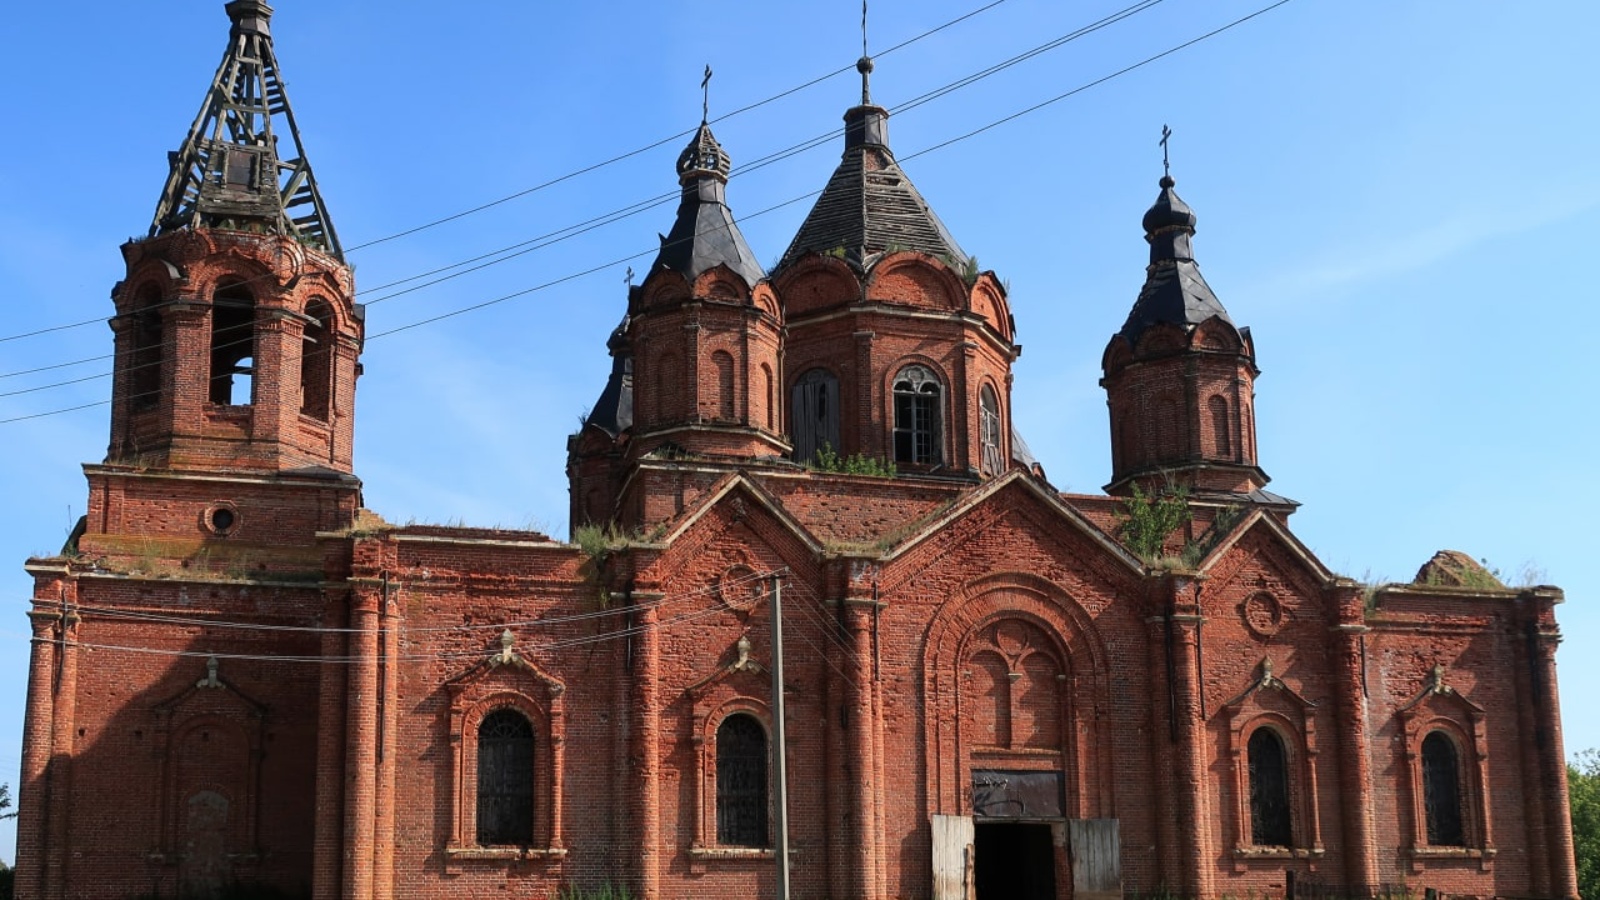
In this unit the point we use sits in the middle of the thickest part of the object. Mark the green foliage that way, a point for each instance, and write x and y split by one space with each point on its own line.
6 812
829 460
604 892
1147 519
1583 790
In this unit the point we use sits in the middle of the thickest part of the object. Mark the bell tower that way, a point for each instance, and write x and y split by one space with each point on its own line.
237 334
1179 376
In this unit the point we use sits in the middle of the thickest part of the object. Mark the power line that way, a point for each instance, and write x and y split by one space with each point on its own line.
543 241
589 168
629 258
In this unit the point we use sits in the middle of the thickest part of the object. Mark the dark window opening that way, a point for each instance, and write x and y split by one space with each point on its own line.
989 431
815 413
149 350
1269 790
916 417
316 362
505 779
233 339
741 782
239 169
1441 791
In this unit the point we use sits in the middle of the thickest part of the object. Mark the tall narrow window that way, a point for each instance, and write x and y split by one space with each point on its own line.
814 405
1269 790
149 350
316 362
722 361
1441 791
505 779
989 431
741 782
233 344
1221 428
916 416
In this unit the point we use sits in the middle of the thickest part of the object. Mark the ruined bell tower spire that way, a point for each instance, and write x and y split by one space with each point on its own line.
242 165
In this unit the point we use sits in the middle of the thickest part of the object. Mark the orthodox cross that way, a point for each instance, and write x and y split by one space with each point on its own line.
705 95
629 278
863 27
1166 164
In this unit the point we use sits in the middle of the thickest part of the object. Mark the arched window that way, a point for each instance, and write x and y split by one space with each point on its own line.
316 362
814 405
916 416
233 344
1269 790
505 779
722 361
149 349
1441 790
741 782
1221 428
989 431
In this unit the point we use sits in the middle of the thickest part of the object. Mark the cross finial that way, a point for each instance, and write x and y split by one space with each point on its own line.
863 27
629 278
864 64
1166 162
705 95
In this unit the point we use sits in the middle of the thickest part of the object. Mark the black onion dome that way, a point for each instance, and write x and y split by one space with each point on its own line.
1174 291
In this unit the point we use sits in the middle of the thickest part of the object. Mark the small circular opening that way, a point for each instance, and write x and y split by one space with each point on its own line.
222 519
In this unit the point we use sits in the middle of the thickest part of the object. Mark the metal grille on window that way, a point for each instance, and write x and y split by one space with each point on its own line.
989 431
1269 790
916 416
741 782
505 779
1441 791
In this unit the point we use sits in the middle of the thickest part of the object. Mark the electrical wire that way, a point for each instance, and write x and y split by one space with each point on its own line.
592 167
629 258
548 239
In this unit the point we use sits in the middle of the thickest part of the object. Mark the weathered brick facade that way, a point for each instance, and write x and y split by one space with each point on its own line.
241 676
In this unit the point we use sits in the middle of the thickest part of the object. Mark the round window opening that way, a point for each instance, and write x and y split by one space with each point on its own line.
221 520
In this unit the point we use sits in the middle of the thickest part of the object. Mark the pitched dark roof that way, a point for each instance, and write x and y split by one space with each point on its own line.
613 412
869 206
704 235
1174 291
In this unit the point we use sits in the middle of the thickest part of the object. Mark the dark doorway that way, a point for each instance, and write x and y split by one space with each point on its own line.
1014 861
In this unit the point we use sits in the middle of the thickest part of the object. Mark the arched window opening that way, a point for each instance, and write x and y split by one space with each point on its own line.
505 779
149 349
722 361
1441 791
316 362
1269 790
916 416
768 394
814 405
1221 428
989 431
233 345
741 782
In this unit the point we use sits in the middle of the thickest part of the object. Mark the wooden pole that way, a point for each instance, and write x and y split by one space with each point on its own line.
779 744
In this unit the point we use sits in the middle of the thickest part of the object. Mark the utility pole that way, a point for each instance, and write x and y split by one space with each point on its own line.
780 747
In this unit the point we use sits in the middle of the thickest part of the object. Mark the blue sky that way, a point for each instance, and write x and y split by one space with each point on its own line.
1395 197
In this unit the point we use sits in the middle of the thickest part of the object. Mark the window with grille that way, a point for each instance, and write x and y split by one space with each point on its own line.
505 779
1269 790
916 416
1441 791
989 431
741 782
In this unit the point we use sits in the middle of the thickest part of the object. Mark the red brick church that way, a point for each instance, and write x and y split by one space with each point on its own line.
241 679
